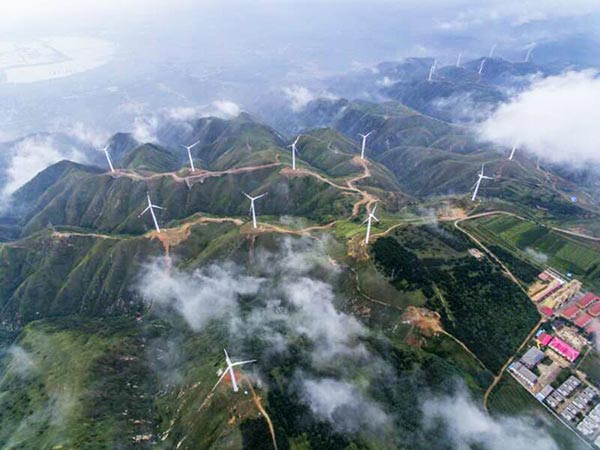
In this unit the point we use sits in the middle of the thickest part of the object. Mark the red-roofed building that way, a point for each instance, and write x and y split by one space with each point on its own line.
570 312
593 327
594 310
564 349
583 320
587 300
547 311
544 339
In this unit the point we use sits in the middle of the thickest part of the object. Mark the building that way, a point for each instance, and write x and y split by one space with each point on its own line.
544 338
526 376
594 310
587 300
563 349
570 312
532 357
583 320
544 392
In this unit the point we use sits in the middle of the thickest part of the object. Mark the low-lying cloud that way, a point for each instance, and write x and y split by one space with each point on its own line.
556 118
467 426
32 155
292 299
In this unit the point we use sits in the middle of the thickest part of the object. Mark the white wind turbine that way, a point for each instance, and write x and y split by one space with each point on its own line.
512 152
529 52
189 152
492 51
229 369
480 71
478 183
432 70
150 208
252 210
368 222
105 150
364 143
294 151
458 60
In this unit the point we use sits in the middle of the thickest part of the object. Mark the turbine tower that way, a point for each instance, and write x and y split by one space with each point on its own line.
458 60
150 208
105 150
294 151
368 222
432 70
492 51
480 71
252 210
478 183
529 52
512 152
229 369
364 143
189 148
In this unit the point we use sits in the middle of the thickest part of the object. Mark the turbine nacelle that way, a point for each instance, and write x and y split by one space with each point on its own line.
229 370
364 143
151 208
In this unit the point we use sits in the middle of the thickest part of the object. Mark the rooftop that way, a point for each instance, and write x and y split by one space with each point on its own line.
587 300
564 349
570 312
583 320
544 338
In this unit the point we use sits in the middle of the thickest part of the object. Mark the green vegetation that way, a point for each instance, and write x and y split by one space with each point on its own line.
540 246
477 302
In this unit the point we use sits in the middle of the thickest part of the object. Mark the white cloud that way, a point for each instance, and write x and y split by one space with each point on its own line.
290 304
343 404
225 109
87 134
31 156
299 97
516 12
201 296
556 118
21 361
144 128
468 426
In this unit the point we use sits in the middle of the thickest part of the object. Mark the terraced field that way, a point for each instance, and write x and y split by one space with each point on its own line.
542 246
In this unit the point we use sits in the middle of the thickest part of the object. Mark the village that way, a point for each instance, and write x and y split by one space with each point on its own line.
548 366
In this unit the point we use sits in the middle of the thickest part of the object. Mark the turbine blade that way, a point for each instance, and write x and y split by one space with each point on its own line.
376 219
260 196
144 211
247 195
157 207
374 209
220 379
194 144
239 363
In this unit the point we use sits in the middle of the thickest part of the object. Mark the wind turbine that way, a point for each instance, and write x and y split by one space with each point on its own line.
150 208
230 366
105 150
294 151
492 51
432 70
529 52
458 60
512 152
189 148
364 143
252 210
368 222
481 177
481 66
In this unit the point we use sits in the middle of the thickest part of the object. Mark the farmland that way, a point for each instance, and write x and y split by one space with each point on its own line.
541 246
